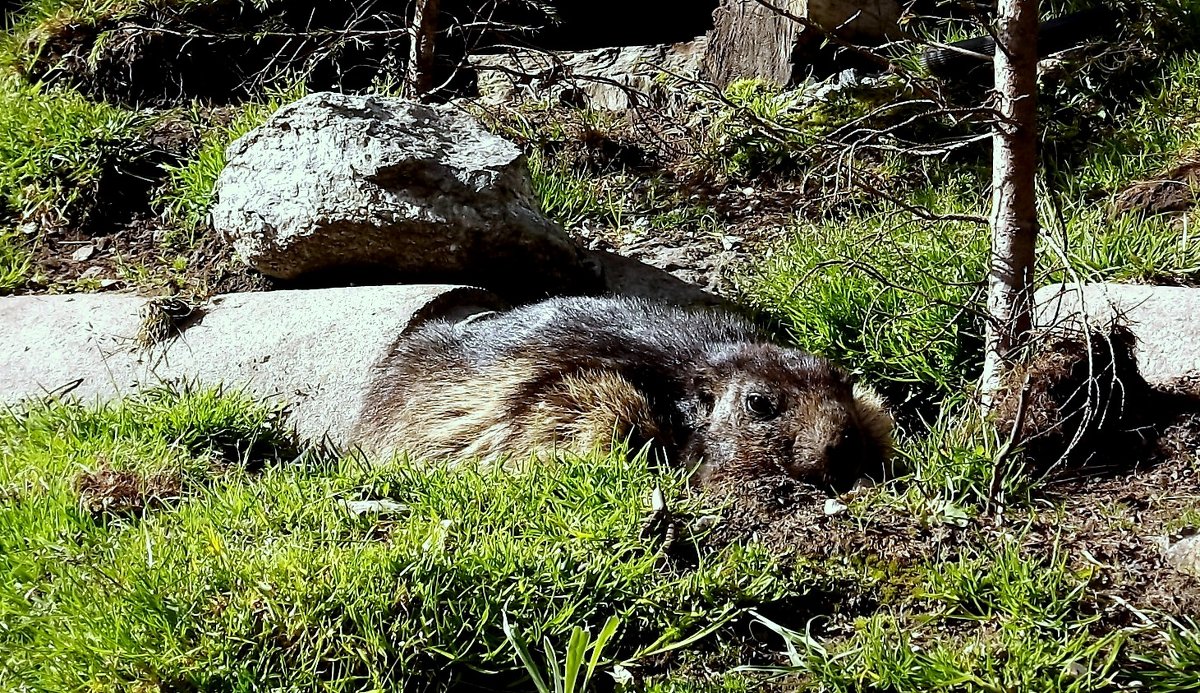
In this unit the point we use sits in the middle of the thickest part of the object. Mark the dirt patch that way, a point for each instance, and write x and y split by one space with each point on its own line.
135 256
844 568
1080 400
118 241
1115 528
110 493
1171 193
1122 467
805 527
801 523
1110 523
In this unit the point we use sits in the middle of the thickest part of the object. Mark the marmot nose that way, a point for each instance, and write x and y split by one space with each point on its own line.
843 459
840 444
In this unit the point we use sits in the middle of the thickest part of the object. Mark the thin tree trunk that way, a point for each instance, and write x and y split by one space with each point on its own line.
419 79
1014 208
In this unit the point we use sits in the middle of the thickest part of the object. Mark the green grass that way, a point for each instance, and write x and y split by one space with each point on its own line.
757 129
619 202
254 574
572 198
1156 135
900 299
40 22
1179 669
996 618
247 571
1128 248
263 576
14 261
884 294
55 146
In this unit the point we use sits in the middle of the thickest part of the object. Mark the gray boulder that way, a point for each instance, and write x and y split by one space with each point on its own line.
1163 318
336 182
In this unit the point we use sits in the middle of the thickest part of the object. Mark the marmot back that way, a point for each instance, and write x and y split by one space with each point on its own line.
705 388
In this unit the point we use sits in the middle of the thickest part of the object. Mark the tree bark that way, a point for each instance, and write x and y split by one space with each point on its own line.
773 40
419 80
1014 205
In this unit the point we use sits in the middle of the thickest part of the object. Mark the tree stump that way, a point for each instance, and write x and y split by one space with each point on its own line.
771 39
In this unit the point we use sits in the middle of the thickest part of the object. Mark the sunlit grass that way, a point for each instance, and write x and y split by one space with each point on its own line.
54 147
14 261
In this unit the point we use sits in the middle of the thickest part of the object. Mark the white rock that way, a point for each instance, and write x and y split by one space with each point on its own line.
834 506
375 507
1184 555
311 350
1163 318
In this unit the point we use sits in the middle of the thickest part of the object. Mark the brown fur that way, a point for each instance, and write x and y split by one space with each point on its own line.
578 374
582 412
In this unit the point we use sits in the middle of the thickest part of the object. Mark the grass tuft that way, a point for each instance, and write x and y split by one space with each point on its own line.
15 264
55 146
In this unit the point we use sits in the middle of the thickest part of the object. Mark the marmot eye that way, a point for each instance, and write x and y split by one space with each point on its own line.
760 405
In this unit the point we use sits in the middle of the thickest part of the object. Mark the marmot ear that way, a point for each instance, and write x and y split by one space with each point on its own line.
876 422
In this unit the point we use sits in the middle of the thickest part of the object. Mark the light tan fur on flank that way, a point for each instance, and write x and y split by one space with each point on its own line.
581 413
589 410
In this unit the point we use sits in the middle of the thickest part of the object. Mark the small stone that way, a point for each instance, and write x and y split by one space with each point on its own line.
1184 555
109 283
667 258
83 253
376 507
91 272
834 506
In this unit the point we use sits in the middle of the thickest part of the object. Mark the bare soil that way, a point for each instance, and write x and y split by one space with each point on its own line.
132 257
119 242
1171 193
109 493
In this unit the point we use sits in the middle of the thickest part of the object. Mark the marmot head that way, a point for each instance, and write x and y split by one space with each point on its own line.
763 409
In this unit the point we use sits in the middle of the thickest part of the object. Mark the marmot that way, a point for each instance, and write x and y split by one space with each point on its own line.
705 388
